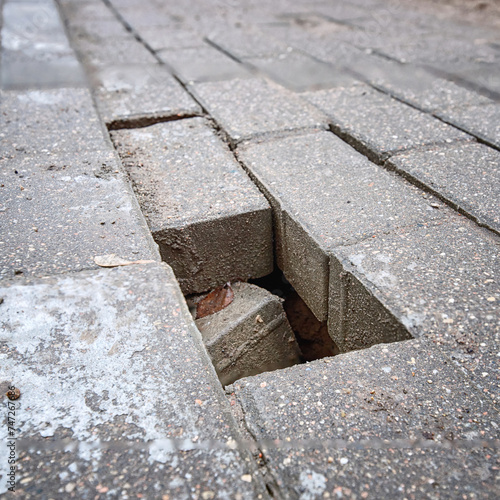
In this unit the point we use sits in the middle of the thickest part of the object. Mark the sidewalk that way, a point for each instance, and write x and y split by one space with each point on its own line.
353 147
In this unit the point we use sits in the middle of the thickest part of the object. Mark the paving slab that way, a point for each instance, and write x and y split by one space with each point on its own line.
364 421
480 121
249 108
211 222
439 281
202 64
161 37
465 175
135 95
44 122
378 125
249 336
117 393
326 195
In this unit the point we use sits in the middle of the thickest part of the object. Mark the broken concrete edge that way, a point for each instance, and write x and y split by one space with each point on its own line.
145 120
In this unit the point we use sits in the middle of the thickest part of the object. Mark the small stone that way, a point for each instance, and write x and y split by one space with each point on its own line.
247 478
69 487
208 495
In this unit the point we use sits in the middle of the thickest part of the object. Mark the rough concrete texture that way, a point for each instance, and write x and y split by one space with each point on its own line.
160 38
117 394
440 283
248 108
378 125
390 420
211 222
250 336
465 175
326 195
202 64
136 95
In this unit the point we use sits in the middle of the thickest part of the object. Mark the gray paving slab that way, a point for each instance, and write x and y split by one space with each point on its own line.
355 420
248 108
378 125
139 94
465 175
481 121
326 195
95 29
249 336
301 72
117 394
59 212
202 64
484 75
160 37
45 122
439 281
211 222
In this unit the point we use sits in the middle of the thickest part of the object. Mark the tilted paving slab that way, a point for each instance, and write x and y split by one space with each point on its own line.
439 281
325 195
465 175
378 125
117 393
139 94
248 108
249 336
210 221
394 419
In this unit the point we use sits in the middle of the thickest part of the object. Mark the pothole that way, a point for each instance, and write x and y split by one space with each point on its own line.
263 325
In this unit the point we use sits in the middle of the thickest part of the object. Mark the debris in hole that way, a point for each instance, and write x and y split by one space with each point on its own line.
215 301
249 336
312 335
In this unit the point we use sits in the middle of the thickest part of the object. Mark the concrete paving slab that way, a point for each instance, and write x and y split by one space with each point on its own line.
117 393
439 282
44 122
480 121
202 64
354 417
378 125
300 72
327 195
465 175
250 108
59 212
161 37
249 336
135 95
95 29
211 222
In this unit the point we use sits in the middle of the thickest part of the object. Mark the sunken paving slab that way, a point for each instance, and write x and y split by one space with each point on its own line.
397 420
135 95
465 175
249 336
440 282
59 212
325 195
210 221
117 392
248 108
378 125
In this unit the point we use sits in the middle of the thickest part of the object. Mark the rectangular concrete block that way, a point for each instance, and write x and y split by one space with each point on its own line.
171 38
117 392
250 108
378 125
210 221
136 95
327 195
465 175
249 336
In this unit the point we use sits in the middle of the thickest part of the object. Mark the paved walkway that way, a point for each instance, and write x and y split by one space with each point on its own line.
354 145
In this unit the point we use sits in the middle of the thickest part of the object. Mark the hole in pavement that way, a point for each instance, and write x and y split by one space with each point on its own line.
259 326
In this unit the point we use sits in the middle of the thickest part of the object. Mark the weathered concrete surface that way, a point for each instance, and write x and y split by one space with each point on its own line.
465 175
117 393
161 38
249 108
135 95
250 336
326 195
211 222
378 125
377 402
439 281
